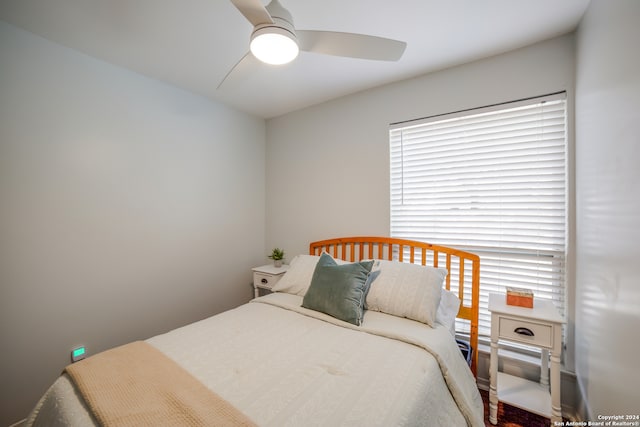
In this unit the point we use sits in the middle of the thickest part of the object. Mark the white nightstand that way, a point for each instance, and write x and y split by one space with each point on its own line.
265 276
540 326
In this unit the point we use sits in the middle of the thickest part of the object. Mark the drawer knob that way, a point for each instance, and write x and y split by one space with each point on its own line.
524 331
264 281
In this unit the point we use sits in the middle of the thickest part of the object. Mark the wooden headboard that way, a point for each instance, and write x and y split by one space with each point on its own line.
463 268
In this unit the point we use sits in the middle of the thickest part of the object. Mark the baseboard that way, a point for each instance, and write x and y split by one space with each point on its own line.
529 368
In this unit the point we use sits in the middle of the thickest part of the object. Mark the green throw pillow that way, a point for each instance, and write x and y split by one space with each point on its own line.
339 290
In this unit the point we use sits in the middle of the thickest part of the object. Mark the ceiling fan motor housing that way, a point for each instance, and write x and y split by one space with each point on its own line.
281 19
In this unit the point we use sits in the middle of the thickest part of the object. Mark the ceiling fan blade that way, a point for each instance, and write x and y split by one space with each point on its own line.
254 11
350 45
242 69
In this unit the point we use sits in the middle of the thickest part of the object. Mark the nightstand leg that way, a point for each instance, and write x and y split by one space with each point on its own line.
556 406
544 368
256 292
493 379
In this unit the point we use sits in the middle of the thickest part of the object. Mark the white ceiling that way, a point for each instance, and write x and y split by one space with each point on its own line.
192 44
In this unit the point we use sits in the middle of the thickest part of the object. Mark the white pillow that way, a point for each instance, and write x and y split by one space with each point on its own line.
298 277
406 290
448 310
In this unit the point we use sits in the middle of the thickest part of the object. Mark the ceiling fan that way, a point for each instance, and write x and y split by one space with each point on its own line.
274 39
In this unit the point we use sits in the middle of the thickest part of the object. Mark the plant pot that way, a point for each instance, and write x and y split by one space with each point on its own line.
277 263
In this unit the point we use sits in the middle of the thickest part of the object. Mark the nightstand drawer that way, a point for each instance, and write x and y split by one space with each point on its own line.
525 332
265 281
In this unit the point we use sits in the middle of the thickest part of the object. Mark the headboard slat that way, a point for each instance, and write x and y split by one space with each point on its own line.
448 267
461 280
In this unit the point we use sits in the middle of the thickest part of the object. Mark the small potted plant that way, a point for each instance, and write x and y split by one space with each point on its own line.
277 255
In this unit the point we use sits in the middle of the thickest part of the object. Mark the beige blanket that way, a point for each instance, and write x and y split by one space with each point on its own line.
136 385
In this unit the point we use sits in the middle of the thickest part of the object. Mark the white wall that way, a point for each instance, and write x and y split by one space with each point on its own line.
328 165
608 207
127 208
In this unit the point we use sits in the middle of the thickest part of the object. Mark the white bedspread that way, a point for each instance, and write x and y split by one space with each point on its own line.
284 365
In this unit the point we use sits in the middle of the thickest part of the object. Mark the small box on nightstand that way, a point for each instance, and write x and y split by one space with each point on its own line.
520 297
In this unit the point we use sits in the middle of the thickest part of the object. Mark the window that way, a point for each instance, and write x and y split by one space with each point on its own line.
490 181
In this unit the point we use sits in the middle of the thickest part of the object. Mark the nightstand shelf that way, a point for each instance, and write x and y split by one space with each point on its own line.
266 276
540 326
524 394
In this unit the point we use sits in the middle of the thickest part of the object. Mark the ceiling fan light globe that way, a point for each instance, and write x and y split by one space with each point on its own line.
273 45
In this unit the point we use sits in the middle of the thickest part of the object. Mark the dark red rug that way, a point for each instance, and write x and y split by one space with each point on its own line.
508 416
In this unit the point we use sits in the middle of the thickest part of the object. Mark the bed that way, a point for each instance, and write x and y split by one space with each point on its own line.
388 357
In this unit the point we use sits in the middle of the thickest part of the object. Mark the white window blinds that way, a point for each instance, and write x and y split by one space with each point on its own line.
491 181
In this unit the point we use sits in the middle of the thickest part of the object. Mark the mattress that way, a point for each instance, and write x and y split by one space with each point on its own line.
284 365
